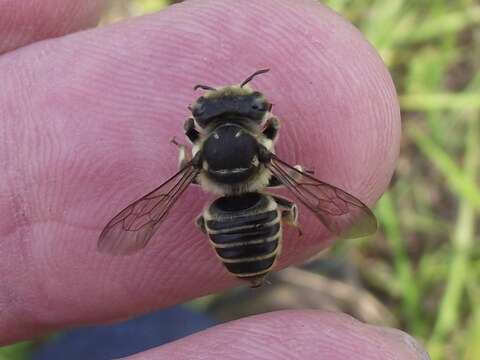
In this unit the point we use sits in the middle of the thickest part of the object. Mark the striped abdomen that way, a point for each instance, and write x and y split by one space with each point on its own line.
245 231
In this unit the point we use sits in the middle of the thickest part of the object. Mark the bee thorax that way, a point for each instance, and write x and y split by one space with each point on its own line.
230 154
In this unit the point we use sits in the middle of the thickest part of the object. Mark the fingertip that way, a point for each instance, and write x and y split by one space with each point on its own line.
292 334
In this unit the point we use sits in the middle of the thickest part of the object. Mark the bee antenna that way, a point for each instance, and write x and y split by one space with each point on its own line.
250 78
204 87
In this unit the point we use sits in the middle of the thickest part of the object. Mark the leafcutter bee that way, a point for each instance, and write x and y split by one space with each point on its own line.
233 131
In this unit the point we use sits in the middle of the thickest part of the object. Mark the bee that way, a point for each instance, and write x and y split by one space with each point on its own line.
233 132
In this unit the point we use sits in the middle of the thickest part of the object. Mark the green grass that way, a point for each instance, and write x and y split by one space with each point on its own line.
19 351
462 243
410 301
149 6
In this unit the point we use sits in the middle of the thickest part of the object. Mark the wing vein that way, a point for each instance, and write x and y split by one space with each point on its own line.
133 227
342 214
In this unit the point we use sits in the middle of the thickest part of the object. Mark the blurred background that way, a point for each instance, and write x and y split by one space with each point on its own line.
420 272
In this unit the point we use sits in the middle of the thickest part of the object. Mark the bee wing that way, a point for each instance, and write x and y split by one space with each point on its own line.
132 228
343 214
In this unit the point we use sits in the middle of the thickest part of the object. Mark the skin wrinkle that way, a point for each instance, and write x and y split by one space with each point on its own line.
170 257
18 258
114 122
258 335
411 344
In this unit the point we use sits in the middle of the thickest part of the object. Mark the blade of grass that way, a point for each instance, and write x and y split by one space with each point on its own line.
149 6
462 242
409 292
446 101
472 345
443 24
386 18
472 351
458 181
19 351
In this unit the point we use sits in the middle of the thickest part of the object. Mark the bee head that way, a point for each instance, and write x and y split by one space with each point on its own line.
230 102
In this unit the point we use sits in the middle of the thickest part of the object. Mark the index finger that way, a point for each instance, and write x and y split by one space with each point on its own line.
27 21
87 131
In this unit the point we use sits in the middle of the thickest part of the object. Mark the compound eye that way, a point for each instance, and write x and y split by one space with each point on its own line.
259 104
199 106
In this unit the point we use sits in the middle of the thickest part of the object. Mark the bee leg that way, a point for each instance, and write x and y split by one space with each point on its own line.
190 131
200 222
289 211
272 126
184 155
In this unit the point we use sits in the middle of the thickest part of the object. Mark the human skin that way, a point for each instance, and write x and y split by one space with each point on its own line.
26 21
87 120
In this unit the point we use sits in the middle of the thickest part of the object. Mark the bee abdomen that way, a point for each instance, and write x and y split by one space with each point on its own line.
246 233
247 258
251 268
251 221
248 246
248 249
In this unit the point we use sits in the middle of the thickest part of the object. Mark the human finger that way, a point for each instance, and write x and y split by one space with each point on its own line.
27 21
87 127
297 334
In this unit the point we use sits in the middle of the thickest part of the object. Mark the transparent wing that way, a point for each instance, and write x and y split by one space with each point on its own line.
132 228
343 214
